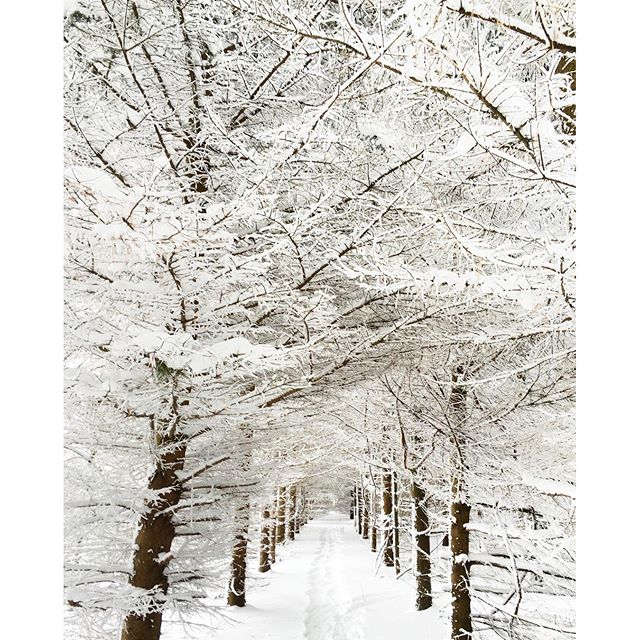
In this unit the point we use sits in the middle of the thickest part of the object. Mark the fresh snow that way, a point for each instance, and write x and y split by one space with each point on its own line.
326 585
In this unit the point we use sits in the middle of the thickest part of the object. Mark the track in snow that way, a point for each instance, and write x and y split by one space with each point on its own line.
327 613
325 587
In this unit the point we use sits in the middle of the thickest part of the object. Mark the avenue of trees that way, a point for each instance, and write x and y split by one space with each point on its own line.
319 248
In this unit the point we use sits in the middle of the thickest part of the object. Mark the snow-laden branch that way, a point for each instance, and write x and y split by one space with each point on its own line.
472 9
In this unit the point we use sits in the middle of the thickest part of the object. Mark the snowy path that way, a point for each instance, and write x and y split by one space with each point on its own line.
325 588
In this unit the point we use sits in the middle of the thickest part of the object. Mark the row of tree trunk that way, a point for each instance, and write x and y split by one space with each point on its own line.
375 510
280 521
370 520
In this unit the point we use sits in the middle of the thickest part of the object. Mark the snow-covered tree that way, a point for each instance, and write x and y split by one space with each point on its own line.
317 246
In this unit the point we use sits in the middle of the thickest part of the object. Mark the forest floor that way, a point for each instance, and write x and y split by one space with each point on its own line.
328 585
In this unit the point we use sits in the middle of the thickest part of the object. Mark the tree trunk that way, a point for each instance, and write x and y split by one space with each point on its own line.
280 529
291 513
365 515
460 510
396 524
352 505
423 548
274 531
302 516
156 532
298 511
373 516
387 519
461 613
358 510
265 541
236 594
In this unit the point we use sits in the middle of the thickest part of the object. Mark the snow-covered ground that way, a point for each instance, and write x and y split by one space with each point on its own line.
328 585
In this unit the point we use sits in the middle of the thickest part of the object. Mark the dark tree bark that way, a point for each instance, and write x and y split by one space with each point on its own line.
291 512
359 510
461 627
280 529
265 541
461 607
236 596
387 519
423 548
373 516
274 531
365 515
396 524
298 511
156 532
352 505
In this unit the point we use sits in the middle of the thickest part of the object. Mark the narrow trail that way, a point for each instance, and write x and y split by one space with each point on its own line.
325 588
